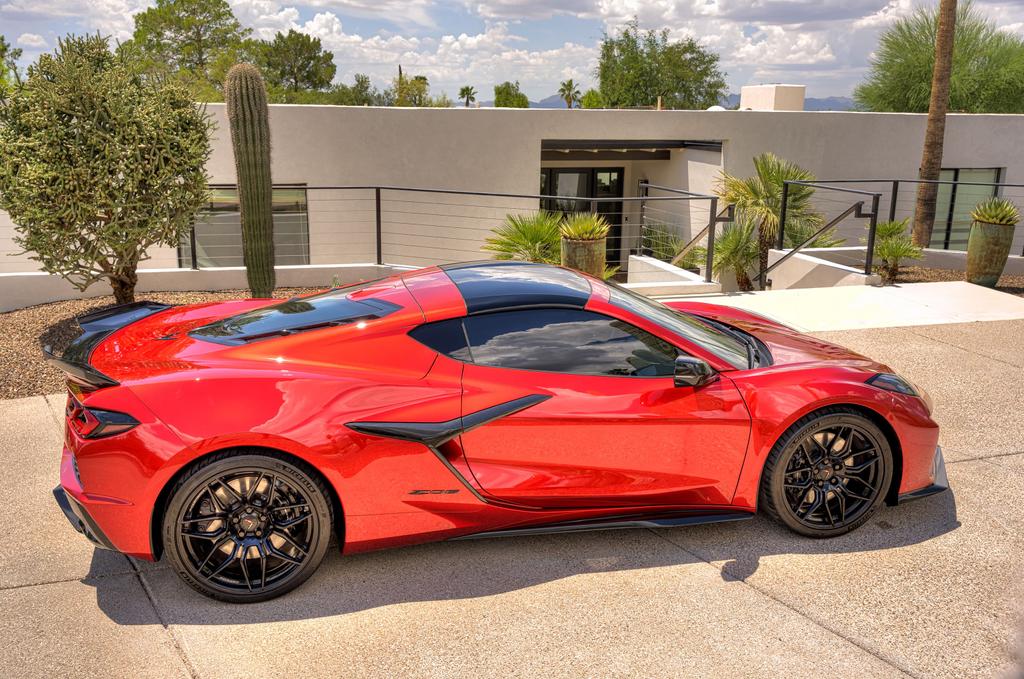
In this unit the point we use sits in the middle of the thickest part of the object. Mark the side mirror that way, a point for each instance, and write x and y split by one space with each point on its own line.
693 372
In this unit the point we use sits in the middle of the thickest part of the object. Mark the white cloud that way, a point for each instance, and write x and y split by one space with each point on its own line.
401 12
823 43
893 10
31 41
450 61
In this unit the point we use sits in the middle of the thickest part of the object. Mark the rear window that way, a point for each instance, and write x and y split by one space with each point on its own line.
331 308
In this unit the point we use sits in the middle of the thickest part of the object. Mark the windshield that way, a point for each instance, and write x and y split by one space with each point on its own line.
725 346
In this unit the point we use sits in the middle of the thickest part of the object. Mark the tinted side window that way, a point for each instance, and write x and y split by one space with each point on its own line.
567 341
444 337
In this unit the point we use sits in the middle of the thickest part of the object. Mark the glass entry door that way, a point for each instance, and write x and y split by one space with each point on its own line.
574 188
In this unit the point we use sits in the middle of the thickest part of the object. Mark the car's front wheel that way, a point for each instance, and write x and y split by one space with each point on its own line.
828 473
245 527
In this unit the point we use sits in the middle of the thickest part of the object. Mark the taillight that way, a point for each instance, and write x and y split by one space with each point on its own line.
93 423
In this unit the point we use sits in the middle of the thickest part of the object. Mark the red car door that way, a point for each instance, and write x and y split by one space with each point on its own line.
613 430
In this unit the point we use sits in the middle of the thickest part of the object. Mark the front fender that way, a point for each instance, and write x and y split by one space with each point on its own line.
777 399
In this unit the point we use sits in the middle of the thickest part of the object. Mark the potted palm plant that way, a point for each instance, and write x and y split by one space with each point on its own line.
988 246
583 243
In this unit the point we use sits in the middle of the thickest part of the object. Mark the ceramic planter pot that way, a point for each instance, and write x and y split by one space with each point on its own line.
587 256
988 246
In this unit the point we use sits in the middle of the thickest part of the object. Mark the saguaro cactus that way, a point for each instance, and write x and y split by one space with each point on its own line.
246 98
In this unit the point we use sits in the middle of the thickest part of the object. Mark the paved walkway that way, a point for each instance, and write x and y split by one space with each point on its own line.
867 306
931 589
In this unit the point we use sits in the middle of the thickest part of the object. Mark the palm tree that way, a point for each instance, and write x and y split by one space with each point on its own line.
736 250
570 93
531 237
760 199
467 94
935 131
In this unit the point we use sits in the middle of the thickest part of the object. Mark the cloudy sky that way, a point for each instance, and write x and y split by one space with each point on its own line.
824 44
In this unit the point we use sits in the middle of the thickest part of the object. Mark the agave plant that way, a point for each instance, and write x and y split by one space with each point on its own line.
584 226
736 250
990 241
760 197
583 243
892 246
530 237
996 211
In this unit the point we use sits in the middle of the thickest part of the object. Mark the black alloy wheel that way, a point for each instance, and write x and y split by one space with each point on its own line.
246 528
828 473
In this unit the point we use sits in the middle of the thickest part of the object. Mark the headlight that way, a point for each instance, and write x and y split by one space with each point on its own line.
891 382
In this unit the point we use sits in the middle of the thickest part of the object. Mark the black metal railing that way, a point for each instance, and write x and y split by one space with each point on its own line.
664 233
419 226
898 196
855 210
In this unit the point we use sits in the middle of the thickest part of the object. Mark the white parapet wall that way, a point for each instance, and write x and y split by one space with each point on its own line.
18 290
655 278
804 270
952 260
957 260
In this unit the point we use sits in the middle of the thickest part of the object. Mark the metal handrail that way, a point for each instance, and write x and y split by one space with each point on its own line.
669 189
678 195
855 208
724 217
909 181
491 194
823 185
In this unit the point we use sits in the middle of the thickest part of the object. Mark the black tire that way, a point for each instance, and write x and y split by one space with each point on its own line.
828 473
246 526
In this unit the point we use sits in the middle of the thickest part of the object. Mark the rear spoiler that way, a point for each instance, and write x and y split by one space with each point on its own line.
97 326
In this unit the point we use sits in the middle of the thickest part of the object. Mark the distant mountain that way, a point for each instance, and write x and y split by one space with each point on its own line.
728 101
554 101
810 103
828 104
490 104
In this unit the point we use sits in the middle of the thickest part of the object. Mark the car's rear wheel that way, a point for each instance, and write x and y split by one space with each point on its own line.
247 527
828 473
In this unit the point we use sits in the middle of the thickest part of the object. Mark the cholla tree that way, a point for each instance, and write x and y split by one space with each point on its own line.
99 163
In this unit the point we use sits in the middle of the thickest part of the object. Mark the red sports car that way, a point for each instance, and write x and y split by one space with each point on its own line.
491 398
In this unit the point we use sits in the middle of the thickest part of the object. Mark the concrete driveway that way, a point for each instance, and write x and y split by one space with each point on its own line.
929 589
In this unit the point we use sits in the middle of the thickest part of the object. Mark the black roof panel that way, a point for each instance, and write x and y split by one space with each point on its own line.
494 285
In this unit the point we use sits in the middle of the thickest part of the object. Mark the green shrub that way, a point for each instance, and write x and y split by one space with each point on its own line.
797 232
736 250
528 237
892 246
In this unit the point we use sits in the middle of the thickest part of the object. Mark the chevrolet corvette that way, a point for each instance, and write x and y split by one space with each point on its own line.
237 440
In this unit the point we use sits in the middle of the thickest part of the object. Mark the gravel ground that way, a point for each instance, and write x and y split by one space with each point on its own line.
1013 285
23 332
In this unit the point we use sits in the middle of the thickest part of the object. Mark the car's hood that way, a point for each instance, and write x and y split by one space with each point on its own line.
788 346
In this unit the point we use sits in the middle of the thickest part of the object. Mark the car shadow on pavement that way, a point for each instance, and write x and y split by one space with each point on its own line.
479 568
